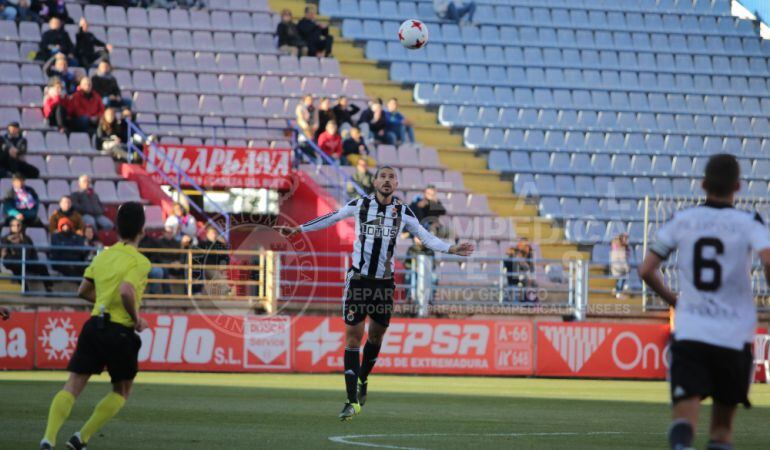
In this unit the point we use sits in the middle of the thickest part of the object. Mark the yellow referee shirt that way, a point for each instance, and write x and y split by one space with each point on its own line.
108 270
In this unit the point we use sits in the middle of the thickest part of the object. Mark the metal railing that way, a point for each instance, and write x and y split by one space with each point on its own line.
175 181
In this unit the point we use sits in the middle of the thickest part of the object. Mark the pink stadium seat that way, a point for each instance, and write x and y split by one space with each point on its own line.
191 141
189 103
124 79
182 40
58 166
228 84
32 118
39 236
208 83
241 22
478 204
139 37
128 191
169 123
187 82
292 86
9 115
179 17
387 155
56 142
456 203
311 85
203 41
120 57
265 43
411 178
106 191
95 14
244 40
104 166
116 16
353 88
144 102
117 34
11 72
247 63
249 84
210 104
9 96
271 64
223 41
332 87
161 39
30 31
274 107
9 51
58 188
162 59
428 157
262 22
153 217
80 142
288 64
190 124
227 63
166 103
232 106
165 82
329 67
433 176
39 187
200 20
37 161
143 79
184 60
159 18
35 141
31 73
454 179
309 65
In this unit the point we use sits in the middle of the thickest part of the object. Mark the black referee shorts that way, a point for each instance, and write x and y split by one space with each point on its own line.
703 370
368 297
113 346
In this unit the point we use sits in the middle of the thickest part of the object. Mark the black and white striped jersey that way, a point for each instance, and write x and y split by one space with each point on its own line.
377 228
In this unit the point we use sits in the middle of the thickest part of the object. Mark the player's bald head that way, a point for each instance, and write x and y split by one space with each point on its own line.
722 176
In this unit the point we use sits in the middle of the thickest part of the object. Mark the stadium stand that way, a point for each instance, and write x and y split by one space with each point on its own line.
587 107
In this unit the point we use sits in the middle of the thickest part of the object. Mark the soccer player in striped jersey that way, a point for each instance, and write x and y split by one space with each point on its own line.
369 286
715 318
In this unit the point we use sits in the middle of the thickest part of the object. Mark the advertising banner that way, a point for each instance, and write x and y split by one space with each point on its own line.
17 346
428 346
223 167
602 350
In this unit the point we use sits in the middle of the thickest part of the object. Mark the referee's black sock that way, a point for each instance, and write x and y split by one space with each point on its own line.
371 351
714 445
352 367
680 434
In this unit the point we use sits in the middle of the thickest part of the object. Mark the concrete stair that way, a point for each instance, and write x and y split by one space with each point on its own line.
449 143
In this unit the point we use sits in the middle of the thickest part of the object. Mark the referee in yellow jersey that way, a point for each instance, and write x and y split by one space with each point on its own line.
114 283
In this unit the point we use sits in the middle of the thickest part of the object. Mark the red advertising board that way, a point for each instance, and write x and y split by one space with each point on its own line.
602 350
56 337
223 166
429 346
17 349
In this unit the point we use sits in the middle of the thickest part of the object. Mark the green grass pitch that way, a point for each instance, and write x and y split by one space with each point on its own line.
170 411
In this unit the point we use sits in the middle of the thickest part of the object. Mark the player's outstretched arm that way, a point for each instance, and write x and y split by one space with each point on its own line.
319 223
5 313
412 225
649 271
462 249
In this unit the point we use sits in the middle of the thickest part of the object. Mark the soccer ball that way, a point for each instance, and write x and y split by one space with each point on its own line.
413 34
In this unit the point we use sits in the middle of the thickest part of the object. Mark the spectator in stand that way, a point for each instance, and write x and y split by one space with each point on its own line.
344 112
325 114
184 223
12 256
88 48
67 261
24 9
13 148
22 203
85 108
215 245
166 241
453 10
108 140
54 41
330 141
58 66
354 148
307 116
398 125
86 202
106 85
316 36
55 8
363 178
427 209
7 11
55 106
92 240
65 210
377 122
289 40
619 266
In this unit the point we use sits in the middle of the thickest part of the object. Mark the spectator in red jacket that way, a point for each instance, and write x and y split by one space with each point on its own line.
85 108
330 141
55 105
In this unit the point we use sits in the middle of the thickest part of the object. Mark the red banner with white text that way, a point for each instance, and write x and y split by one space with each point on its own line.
223 343
427 346
225 167
602 350
17 347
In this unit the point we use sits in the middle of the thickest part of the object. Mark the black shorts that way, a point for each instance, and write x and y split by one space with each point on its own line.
114 346
367 297
704 370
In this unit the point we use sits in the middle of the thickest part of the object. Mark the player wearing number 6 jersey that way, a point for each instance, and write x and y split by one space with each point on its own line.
716 317
369 286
